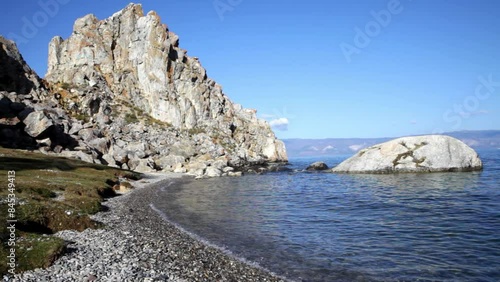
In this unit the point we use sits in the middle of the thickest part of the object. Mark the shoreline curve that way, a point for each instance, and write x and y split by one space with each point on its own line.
137 244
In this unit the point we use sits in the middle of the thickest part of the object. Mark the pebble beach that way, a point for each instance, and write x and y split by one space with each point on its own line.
137 244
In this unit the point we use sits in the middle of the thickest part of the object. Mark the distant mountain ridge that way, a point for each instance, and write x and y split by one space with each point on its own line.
480 139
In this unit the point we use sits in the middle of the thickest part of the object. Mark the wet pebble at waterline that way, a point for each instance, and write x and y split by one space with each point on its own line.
137 245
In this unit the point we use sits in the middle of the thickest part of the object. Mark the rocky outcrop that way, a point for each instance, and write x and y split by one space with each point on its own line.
132 59
29 116
121 92
16 75
431 153
317 166
37 123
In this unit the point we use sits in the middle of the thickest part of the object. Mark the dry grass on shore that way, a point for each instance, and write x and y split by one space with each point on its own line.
53 194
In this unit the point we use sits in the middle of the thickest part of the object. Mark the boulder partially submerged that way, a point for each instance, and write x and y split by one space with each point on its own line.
429 153
317 166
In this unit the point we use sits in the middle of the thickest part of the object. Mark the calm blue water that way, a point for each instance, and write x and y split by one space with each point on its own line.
328 227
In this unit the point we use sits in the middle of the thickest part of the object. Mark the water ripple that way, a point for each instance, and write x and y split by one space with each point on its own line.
327 227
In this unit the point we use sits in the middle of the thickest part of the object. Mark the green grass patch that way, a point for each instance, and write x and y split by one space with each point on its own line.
131 118
65 86
38 251
53 194
33 251
196 130
81 116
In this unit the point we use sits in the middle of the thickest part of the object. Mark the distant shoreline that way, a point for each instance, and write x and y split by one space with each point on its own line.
333 147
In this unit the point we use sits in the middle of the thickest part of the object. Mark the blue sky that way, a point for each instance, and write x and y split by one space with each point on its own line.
318 68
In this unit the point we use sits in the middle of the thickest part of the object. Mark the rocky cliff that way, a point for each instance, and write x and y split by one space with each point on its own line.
28 114
15 74
133 98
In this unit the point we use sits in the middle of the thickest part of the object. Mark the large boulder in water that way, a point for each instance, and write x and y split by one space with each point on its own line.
430 153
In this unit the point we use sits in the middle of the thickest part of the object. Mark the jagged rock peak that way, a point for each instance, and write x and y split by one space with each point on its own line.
138 59
133 58
15 74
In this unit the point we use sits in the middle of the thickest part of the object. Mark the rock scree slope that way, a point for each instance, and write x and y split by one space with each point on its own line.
121 92
430 153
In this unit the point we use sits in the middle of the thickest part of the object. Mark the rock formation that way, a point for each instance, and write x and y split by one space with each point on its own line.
16 75
121 92
29 117
431 153
317 166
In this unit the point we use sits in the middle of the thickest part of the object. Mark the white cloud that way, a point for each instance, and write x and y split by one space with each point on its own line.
280 124
356 148
328 148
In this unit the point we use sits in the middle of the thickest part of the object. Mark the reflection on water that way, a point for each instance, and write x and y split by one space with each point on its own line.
329 227
416 181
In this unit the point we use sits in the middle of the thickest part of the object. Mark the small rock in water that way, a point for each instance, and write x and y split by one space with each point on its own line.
317 166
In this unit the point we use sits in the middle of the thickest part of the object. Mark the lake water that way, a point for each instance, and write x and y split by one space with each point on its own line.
337 227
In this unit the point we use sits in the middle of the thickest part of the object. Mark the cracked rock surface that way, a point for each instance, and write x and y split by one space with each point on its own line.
429 153
121 92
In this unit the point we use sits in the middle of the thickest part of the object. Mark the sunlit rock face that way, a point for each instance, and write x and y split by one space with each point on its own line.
132 60
431 153
121 92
